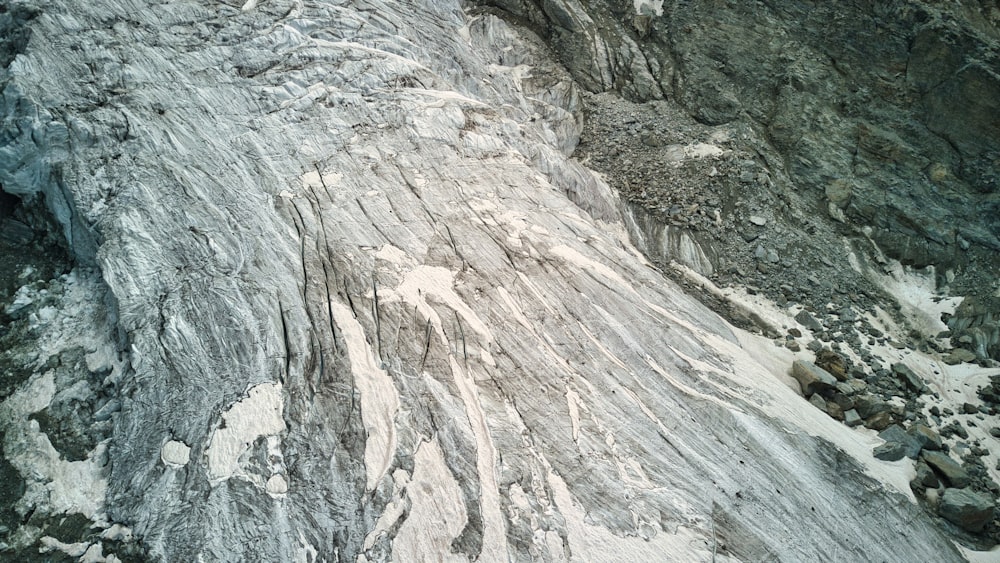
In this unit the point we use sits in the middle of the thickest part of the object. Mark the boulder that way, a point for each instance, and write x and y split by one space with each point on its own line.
812 378
852 418
818 402
925 478
929 439
833 363
868 406
909 445
959 356
879 421
966 509
908 378
808 321
890 451
953 473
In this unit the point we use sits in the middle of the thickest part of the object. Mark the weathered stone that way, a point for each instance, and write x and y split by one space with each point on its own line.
910 379
852 419
811 378
817 401
869 405
842 400
890 451
967 509
807 320
928 438
925 476
954 428
959 356
895 434
833 363
953 473
879 421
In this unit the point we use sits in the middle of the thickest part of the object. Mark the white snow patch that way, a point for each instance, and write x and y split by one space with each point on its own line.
588 542
259 414
175 454
437 511
494 532
393 255
277 486
917 293
117 532
58 485
991 556
573 403
50 544
306 552
379 398
702 150
655 6
437 281
393 511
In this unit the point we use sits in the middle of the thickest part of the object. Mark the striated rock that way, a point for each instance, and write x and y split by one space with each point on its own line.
869 405
911 380
833 363
817 401
925 477
967 509
879 421
890 451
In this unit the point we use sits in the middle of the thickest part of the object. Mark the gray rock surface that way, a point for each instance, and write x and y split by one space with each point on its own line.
950 469
363 307
908 445
967 509
811 378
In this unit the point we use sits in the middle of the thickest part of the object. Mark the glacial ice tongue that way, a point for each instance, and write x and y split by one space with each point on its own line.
363 283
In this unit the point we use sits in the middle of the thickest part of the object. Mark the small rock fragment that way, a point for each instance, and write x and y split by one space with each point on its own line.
851 418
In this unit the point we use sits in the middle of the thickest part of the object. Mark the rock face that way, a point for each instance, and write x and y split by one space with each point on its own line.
365 308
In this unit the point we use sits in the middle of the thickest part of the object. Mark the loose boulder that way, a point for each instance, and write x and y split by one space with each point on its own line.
966 509
907 444
908 378
811 378
928 439
953 473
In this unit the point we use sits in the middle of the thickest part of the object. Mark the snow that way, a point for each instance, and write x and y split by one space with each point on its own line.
379 398
175 454
258 414
437 511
